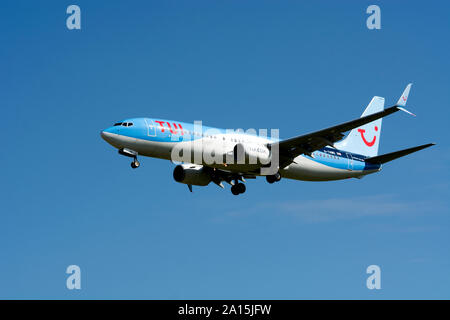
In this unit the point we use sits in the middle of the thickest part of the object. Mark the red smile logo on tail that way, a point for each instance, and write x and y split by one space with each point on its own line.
371 143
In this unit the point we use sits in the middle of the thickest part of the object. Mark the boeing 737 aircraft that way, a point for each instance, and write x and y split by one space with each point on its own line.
216 155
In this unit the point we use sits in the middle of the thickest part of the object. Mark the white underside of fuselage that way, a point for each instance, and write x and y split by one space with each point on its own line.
303 168
309 170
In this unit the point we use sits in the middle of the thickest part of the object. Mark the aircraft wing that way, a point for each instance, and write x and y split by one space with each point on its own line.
308 143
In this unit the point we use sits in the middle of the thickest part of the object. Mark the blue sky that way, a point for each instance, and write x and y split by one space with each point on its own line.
69 198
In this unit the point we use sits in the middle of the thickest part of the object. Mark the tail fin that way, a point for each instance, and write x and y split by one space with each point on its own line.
365 139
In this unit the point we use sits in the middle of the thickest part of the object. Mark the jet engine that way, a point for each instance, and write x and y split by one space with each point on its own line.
191 174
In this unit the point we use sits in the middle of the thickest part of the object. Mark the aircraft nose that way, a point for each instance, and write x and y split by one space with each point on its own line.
106 135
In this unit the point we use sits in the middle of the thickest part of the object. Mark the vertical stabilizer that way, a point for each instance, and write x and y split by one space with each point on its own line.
365 139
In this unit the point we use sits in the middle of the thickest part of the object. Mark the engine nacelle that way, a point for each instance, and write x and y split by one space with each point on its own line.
191 174
256 154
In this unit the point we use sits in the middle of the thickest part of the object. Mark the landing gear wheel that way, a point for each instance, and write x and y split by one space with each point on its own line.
241 187
135 164
273 178
234 190
238 189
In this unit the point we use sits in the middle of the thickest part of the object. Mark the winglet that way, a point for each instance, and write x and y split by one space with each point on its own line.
402 101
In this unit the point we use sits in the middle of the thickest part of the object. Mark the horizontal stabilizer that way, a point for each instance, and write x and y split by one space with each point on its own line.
397 154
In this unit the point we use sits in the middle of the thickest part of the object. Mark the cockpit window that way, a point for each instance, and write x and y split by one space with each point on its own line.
123 124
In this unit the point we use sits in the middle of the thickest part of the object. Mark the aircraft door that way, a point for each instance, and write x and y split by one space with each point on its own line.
151 128
350 161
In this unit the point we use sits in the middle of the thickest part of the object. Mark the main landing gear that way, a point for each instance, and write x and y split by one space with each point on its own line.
273 178
238 188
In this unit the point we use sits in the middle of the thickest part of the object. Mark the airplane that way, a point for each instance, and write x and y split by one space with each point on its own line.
206 154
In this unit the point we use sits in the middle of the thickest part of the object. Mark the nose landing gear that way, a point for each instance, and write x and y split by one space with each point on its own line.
132 154
135 164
